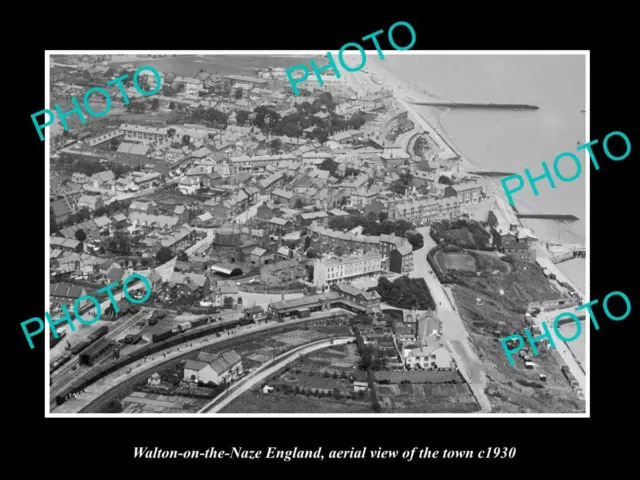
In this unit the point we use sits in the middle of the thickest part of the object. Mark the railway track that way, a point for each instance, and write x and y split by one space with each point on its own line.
65 375
116 391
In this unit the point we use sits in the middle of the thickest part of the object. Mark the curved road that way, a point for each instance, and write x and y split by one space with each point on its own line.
109 386
267 369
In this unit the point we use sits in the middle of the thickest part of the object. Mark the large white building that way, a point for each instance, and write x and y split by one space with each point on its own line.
141 132
333 269
215 369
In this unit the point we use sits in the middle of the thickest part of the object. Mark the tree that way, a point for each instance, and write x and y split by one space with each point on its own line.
228 302
299 204
172 105
238 94
242 117
172 131
183 257
155 103
81 235
186 139
164 255
415 239
114 143
445 180
311 253
275 145
179 88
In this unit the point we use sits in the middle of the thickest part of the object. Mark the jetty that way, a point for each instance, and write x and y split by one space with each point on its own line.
549 216
492 174
504 106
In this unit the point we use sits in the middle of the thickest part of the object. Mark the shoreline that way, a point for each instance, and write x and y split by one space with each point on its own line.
403 90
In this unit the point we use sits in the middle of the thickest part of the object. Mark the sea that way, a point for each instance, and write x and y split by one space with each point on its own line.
510 141
501 140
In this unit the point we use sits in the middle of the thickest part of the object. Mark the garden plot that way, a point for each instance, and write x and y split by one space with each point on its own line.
298 337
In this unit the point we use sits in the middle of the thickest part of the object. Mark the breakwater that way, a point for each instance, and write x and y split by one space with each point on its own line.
493 174
549 216
505 106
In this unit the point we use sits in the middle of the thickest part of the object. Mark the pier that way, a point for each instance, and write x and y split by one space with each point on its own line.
503 106
493 174
549 216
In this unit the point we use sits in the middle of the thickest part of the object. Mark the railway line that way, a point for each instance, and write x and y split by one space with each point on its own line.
64 376
223 344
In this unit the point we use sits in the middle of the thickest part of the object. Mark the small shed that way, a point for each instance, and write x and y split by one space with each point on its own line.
267 389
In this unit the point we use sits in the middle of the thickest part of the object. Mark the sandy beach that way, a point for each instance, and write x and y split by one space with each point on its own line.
404 92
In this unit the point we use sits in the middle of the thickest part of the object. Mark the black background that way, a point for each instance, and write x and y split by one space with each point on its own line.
67 448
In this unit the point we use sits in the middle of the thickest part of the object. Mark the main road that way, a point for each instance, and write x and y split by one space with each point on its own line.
454 332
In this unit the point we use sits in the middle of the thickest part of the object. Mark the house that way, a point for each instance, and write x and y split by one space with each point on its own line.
252 194
466 193
260 256
401 259
216 369
91 202
255 314
191 84
283 272
520 250
360 386
430 357
154 380
371 300
221 290
264 212
280 225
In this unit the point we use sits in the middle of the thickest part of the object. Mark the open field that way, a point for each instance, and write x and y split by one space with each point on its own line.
420 398
140 402
524 283
455 261
419 377
512 389
275 402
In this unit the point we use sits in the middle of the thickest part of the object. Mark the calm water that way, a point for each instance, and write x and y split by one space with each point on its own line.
510 141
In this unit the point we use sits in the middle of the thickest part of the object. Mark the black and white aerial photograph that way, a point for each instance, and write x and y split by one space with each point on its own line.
242 234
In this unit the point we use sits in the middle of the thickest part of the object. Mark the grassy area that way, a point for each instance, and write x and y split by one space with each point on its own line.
512 389
461 233
525 283
420 398
258 402
455 261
